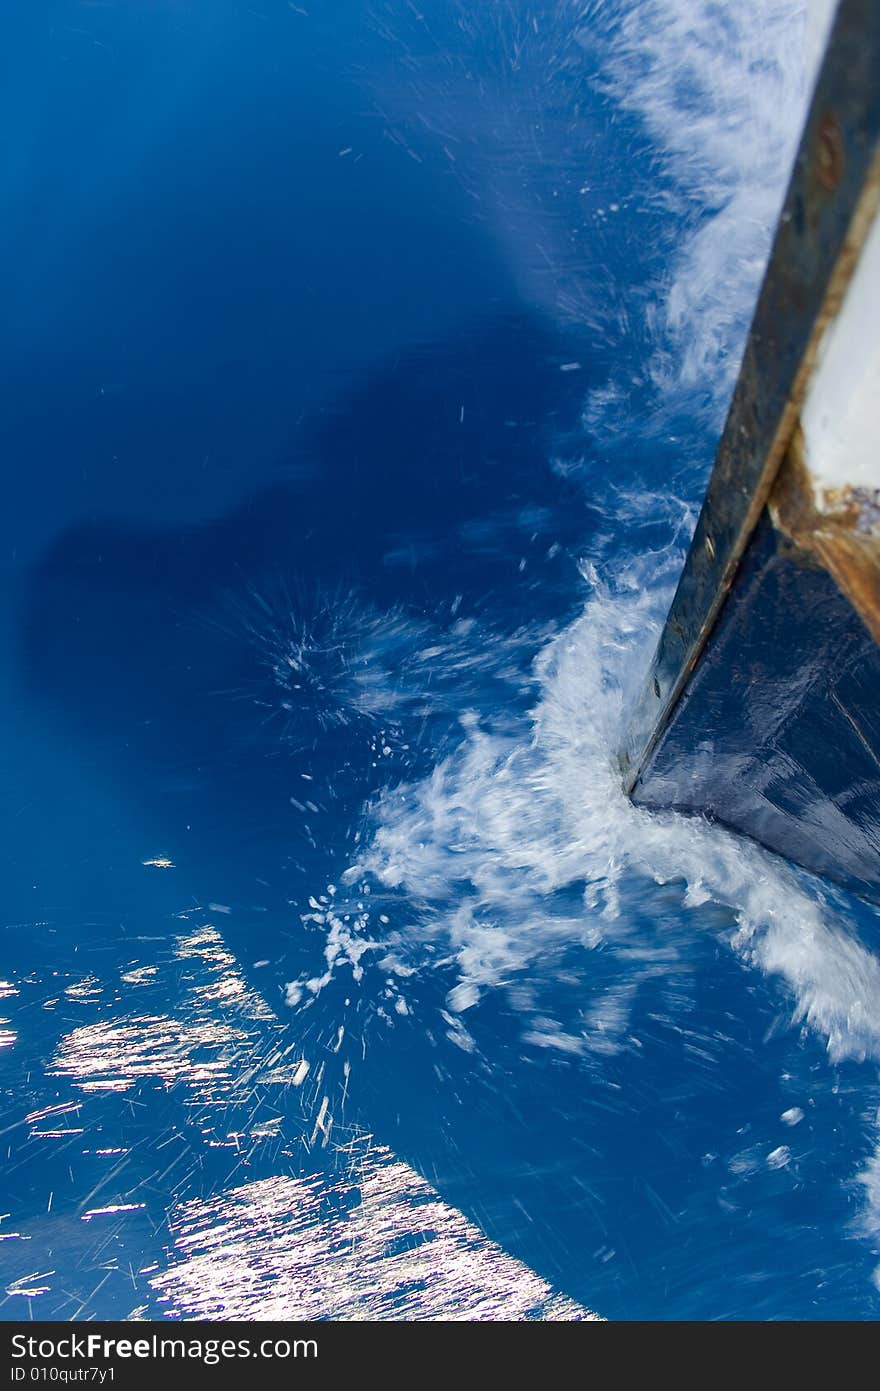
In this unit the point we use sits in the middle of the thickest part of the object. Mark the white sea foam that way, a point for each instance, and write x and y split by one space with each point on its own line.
722 91
869 1178
521 844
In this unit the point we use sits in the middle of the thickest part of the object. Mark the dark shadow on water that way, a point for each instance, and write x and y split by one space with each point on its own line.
422 501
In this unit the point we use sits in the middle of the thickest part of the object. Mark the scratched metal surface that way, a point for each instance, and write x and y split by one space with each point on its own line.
833 192
777 733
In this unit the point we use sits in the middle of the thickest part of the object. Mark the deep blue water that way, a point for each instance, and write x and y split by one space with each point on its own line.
337 390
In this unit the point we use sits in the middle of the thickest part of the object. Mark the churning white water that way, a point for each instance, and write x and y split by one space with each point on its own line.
520 842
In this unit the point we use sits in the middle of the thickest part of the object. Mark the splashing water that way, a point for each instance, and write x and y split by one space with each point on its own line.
722 91
486 849
571 1017
395 1251
517 867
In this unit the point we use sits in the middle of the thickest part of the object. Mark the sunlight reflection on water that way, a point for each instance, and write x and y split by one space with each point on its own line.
257 1226
377 1243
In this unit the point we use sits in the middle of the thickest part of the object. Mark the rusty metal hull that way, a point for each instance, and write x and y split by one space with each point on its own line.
778 732
762 705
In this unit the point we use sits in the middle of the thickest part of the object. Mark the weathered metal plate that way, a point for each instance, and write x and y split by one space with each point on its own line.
762 705
778 732
829 207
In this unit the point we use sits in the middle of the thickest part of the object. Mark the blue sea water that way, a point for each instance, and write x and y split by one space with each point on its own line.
363 366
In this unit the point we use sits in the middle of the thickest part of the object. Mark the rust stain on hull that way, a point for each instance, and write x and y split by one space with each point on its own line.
831 204
843 534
